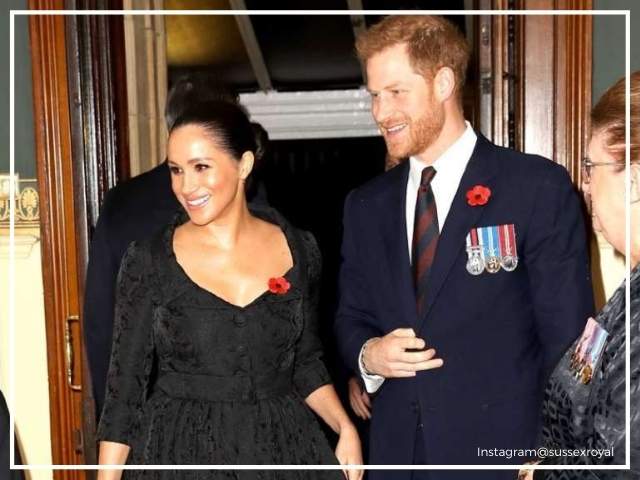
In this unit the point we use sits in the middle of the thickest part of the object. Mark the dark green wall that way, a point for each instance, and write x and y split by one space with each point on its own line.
25 162
609 43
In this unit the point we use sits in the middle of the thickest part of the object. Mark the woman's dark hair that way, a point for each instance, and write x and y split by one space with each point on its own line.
193 88
229 127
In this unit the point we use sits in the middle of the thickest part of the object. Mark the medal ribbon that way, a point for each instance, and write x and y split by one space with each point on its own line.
494 235
511 240
487 242
472 238
483 242
502 234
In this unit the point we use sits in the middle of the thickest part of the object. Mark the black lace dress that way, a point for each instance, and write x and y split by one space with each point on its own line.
583 417
194 379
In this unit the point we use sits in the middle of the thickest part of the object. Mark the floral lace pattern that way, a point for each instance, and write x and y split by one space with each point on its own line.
196 380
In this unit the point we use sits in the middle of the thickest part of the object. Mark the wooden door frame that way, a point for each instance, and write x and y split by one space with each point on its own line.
99 133
535 77
57 227
75 96
565 77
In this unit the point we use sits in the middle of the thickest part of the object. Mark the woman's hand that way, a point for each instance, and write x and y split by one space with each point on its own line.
349 452
527 473
112 453
359 399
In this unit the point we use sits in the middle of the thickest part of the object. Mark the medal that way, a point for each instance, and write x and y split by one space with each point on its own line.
507 239
489 240
588 352
493 265
475 262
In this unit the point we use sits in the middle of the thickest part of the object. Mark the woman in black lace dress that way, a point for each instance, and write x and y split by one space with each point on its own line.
216 357
584 407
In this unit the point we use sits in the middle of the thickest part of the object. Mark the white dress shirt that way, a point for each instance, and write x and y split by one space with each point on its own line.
450 167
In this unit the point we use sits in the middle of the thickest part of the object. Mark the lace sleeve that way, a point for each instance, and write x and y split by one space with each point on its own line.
310 372
132 349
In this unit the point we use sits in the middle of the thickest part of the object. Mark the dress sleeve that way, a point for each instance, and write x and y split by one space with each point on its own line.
132 349
310 372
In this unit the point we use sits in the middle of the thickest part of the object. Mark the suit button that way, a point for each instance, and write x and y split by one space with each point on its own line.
241 349
415 408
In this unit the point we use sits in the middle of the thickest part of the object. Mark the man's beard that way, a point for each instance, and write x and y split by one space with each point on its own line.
423 132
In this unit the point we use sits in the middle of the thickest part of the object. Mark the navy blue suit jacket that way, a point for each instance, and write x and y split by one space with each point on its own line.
498 334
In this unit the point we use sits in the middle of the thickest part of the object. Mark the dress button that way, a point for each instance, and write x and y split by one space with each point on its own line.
240 320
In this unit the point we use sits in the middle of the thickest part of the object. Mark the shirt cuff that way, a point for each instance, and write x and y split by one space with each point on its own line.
371 382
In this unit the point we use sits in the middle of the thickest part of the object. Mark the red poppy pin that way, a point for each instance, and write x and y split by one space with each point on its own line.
279 285
478 195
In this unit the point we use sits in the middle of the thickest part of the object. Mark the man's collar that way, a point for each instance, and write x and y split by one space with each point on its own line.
451 160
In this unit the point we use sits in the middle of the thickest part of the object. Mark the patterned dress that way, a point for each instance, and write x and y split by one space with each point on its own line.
194 379
592 416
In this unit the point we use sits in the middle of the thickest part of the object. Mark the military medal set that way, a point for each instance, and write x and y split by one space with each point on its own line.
588 351
492 248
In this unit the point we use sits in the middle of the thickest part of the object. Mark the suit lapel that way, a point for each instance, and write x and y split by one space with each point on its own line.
460 219
393 228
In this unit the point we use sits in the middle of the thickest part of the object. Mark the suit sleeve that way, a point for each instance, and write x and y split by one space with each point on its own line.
557 262
310 372
99 297
132 352
354 319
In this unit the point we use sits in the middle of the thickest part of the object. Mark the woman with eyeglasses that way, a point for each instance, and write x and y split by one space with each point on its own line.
584 420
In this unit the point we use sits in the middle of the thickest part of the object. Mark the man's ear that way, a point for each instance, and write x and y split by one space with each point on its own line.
246 164
444 84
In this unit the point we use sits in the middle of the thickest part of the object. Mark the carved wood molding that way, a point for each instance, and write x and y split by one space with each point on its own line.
556 82
494 37
535 78
99 132
55 177
97 84
574 77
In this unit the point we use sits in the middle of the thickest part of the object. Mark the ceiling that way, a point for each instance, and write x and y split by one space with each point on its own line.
277 52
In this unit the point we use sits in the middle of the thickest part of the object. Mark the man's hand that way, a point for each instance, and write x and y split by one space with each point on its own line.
388 356
359 399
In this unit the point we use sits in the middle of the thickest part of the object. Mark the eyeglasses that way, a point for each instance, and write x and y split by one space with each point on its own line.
587 165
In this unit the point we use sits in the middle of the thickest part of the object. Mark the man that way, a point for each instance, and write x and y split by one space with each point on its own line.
132 210
465 271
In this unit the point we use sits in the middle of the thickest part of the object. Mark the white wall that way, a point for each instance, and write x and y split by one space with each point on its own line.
30 406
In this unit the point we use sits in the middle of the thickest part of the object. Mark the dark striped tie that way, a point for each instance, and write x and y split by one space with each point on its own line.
425 236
